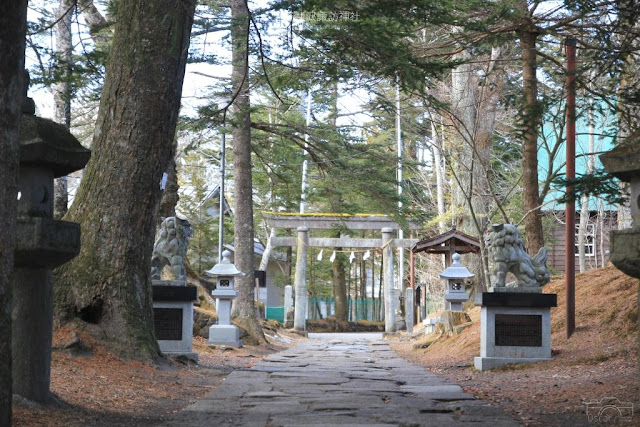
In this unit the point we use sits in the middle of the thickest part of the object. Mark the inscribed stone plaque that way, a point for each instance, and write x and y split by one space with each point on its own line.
518 330
168 323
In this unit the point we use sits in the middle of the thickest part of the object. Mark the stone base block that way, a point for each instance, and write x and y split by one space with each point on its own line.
486 363
176 282
224 335
521 290
515 328
174 326
520 341
430 324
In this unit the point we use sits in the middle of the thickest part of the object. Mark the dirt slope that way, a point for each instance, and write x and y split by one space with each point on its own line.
598 361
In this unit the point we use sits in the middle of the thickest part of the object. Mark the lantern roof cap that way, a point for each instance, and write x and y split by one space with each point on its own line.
45 143
623 161
456 270
224 267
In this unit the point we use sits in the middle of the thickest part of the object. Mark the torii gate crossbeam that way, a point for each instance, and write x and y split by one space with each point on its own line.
303 222
342 242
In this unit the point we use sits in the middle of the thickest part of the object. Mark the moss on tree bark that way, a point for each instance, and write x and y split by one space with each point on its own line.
118 200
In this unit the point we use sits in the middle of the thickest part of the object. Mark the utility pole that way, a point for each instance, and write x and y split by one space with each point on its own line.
224 104
399 181
570 207
305 163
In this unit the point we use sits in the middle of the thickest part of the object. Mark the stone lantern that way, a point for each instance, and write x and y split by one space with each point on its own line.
224 333
624 163
456 276
47 151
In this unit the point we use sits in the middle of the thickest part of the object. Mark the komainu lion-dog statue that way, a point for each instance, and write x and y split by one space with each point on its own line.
506 251
171 247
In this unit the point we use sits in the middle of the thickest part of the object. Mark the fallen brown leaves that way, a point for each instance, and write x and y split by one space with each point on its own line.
598 361
94 386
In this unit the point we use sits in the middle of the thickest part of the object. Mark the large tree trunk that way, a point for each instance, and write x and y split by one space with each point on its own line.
584 210
266 255
340 287
62 93
243 308
463 106
95 21
438 166
530 123
474 109
13 24
488 101
118 200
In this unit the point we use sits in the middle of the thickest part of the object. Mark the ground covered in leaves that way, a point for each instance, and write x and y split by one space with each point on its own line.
598 362
93 386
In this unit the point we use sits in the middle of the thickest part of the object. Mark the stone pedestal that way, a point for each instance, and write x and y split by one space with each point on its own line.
516 328
224 333
173 317
42 243
408 309
32 317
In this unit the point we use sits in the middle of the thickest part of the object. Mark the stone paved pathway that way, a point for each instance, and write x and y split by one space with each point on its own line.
339 379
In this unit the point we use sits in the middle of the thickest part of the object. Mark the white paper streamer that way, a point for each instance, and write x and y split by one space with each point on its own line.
163 181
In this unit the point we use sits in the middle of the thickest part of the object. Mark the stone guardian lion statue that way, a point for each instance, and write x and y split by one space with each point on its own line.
507 254
171 247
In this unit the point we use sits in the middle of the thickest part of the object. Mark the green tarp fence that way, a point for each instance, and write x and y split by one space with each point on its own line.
367 309
361 309
275 313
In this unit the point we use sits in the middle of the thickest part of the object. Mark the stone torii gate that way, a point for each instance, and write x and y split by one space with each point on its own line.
304 222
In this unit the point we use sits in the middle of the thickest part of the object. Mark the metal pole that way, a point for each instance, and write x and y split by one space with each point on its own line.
399 181
570 208
305 163
222 169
